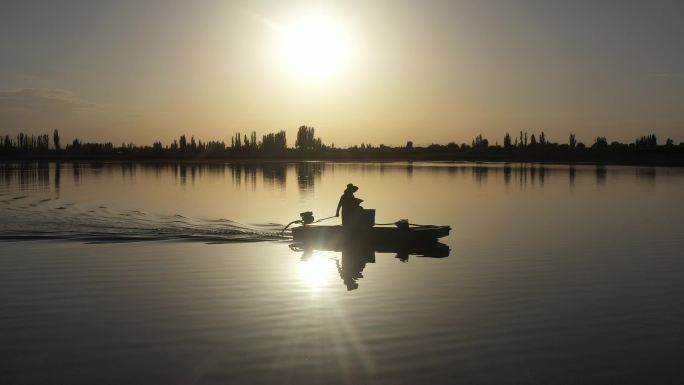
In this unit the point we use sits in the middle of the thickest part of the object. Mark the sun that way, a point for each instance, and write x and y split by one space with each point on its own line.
315 47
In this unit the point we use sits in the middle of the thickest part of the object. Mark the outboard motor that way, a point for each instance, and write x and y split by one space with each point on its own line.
307 217
402 224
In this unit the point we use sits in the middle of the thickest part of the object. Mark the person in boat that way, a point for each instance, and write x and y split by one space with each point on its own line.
350 205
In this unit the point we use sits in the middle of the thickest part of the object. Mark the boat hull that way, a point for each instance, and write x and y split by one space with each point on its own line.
379 237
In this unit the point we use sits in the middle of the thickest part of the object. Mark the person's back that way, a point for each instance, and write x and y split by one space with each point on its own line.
349 204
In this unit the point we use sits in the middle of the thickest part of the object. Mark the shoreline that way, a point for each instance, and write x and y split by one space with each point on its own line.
346 159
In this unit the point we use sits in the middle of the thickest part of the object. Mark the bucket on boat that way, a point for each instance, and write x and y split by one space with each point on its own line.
368 217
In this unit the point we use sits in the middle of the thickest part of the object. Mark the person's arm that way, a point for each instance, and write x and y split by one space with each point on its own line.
339 204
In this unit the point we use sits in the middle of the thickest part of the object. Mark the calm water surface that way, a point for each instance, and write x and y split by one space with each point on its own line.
176 274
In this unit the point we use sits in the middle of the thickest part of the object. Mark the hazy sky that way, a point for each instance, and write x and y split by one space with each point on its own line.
427 71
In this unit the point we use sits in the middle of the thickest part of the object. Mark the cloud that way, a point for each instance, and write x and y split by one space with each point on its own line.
42 101
40 110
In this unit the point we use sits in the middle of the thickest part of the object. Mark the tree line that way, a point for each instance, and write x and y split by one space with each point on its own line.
522 146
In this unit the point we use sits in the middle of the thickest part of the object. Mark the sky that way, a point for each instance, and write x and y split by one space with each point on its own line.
380 72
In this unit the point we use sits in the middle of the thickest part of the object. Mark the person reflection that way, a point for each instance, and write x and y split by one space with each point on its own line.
354 256
351 267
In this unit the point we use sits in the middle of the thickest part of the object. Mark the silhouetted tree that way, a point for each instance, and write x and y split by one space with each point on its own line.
25 146
507 140
600 142
480 143
647 141
238 141
55 140
306 139
274 142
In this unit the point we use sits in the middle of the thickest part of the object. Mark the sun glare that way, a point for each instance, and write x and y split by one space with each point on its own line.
316 271
315 47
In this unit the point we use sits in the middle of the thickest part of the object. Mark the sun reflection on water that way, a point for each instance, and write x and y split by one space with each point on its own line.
316 270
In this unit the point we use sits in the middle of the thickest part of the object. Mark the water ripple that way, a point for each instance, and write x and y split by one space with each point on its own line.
37 221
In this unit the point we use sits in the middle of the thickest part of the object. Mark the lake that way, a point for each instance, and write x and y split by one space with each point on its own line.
129 273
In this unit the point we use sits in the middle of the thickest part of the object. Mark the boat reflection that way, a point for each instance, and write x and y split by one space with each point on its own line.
355 256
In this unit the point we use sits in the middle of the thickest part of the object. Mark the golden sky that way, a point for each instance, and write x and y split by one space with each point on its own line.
370 71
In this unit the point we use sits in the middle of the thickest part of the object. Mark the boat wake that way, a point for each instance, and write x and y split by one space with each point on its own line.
49 220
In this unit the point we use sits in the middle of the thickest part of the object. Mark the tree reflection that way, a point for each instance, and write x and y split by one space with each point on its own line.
571 176
58 175
601 173
274 174
646 174
480 173
307 175
507 175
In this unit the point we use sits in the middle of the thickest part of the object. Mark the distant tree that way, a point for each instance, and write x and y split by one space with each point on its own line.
480 143
647 141
525 139
274 142
193 144
55 140
409 144
669 142
572 141
507 140
581 145
183 142
533 140
542 139
306 139
600 142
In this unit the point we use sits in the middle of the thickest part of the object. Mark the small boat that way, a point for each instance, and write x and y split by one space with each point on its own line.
378 236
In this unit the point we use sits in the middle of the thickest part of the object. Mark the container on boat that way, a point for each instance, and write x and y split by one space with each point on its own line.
368 217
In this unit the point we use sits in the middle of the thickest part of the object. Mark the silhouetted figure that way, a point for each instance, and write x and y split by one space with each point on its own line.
350 205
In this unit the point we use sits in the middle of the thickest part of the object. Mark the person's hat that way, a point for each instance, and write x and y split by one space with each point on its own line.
351 188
